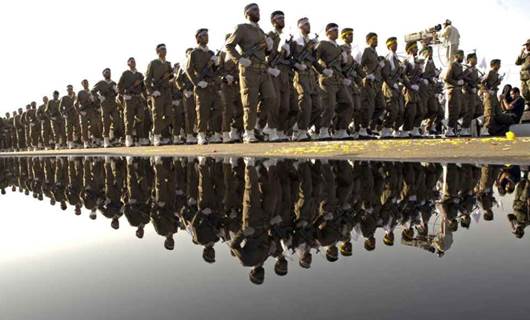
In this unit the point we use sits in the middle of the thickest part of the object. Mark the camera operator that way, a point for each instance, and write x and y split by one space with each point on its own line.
450 38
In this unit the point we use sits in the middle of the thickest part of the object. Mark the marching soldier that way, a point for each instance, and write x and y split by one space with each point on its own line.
57 121
255 83
34 127
131 87
70 116
19 129
470 96
392 73
372 96
523 60
45 124
201 70
432 105
305 82
89 116
453 84
413 105
353 72
188 103
106 90
157 82
336 98
497 122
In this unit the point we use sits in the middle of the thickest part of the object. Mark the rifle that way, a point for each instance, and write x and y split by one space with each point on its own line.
206 70
305 54
277 58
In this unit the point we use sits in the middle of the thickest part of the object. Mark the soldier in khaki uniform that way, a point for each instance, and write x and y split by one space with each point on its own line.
89 116
19 130
106 90
413 105
232 117
432 105
373 103
336 99
254 80
305 82
157 82
453 84
523 60
70 116
45 124
8 132
34 127
279 69
57 121
470 96
353 72
495 120
201 70
131 89
184 84
392 74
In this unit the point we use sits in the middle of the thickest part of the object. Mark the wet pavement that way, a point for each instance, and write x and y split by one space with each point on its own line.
238 238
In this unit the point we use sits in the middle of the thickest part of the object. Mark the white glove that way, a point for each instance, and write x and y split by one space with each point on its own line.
101 98
396 86
382 64
415 87
270 43
92 98
229 78
83 113
474 90
245 62
425 81
346 82
286 48
156 93
115 88
127 97
215 59
175 102
300 66
202 84
273 72
370 77
491 92
460 82
327 72
187 93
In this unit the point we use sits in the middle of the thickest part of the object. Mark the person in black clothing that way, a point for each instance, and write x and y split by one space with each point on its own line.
516 106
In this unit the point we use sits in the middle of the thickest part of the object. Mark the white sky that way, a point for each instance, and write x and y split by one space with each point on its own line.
48 44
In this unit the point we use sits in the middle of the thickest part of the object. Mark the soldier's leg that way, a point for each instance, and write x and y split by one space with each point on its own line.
249 84
129 113
215 112
410 110
203 101
345 108
267 95
227 107
367 105
84 121
284 96
273 115
106 119
420 112
379 107
468 103
329 103
70 129
454 104
525 91
303 91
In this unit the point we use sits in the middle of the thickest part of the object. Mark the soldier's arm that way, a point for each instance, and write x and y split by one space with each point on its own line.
319 64
191 69
232 42
148 78
121 84
450 77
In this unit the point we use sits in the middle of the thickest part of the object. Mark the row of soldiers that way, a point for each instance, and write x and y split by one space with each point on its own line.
265 87
267 208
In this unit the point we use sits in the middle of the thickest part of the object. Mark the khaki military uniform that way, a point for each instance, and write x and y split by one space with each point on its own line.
89 116
71 118
188 102
34 128
430 101
354 72
45 126
495 120
106 91
414 111
157 78
337 100
57 122
200 67
131 87
471 101
392 74
454 92
373 103
523 60
20 132
254 81
232 115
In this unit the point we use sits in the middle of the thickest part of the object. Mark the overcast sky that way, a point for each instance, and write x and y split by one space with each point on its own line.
49 44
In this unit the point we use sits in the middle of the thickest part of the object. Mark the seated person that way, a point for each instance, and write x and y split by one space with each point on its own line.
516 107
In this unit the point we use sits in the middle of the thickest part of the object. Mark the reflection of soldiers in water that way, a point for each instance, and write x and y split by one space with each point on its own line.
275 208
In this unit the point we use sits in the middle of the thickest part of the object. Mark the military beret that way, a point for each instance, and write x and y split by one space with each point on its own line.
277 14
302 21
460 52
391 41
56 92
130 59
495 62
160 46
250 6
69 86
527 42
106 70
332 27
201 32
411 45
370 36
